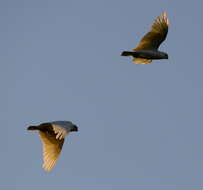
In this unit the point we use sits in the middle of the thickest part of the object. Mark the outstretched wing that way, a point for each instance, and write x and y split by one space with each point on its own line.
156 35
51 149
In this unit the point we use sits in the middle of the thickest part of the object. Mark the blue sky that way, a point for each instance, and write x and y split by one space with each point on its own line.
140 126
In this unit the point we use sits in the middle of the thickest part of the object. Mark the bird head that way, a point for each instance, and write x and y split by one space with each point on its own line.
163 55
74 128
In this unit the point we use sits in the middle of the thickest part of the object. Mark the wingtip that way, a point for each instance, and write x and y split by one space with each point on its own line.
164 15
46 169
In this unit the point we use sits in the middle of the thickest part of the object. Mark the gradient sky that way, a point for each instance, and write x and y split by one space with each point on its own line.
140 126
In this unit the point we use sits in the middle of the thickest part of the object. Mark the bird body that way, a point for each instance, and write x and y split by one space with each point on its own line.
52 135
146 54
147 49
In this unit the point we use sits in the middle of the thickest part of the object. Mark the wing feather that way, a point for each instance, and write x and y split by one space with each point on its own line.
51 149
156 35
141 61
59 131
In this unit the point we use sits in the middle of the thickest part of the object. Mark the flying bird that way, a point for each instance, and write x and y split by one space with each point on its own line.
147 49
52 135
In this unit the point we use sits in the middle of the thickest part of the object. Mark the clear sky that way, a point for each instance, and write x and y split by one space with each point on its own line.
140 126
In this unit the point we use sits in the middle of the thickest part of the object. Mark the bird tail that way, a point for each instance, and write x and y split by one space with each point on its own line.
33 128
127 53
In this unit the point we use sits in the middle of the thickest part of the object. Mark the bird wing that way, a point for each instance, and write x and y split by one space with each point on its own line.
60 131
51 149
156 35
141 61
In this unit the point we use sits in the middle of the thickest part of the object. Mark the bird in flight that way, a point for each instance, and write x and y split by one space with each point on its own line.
52 135
147 49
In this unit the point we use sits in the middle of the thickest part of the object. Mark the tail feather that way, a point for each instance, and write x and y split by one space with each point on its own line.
127 53
33 128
